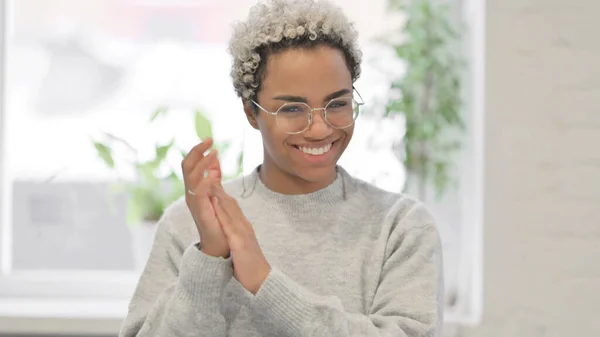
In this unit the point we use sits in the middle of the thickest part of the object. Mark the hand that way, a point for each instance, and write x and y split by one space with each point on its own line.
250 267
212 238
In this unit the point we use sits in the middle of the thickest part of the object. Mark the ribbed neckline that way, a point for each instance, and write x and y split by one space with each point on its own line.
300 205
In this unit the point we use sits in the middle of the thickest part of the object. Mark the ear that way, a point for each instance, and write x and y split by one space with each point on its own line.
249 111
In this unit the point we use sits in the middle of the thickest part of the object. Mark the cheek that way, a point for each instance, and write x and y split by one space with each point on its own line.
348 135
272 137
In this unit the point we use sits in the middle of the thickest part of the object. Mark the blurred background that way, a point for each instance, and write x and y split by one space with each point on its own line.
99 98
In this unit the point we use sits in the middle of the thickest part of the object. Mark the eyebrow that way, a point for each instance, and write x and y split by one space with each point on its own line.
291 98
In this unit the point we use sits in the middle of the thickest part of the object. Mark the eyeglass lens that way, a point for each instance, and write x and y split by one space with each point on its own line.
339 113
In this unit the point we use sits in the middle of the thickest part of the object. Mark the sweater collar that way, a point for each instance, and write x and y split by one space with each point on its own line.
298 205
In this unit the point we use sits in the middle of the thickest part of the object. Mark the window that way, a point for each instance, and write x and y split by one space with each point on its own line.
74 69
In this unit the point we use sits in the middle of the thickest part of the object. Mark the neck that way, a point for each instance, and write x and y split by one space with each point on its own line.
283 182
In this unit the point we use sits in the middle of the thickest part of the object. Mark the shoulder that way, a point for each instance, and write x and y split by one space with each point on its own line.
400 210
406 225
177 222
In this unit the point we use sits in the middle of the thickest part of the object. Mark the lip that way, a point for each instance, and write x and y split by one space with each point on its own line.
315 145
317 159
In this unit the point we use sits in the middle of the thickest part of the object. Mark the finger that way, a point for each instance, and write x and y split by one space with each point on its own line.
201 207
205 208
197 173
232 233
229 203
189 163
214 169
224 198
195 154
193 179
232 209
223 217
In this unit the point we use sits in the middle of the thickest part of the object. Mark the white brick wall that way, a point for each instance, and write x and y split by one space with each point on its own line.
542 199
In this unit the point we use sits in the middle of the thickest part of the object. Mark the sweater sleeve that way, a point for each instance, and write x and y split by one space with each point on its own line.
408 301
179 292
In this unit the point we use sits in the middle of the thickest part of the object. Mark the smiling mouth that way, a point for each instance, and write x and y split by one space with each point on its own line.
315 151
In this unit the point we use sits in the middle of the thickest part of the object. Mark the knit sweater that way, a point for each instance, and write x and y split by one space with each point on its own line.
347 260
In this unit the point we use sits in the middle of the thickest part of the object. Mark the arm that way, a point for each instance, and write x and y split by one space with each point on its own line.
408 301
179 292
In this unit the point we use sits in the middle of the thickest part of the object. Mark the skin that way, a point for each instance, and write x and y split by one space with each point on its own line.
201 203
314 75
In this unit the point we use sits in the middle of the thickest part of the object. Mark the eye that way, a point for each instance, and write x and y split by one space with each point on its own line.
337 104
292 108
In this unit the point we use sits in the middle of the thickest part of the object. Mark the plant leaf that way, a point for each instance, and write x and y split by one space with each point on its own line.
429 92
223 147
162 151
144 203
176 187
184 153
147 172
120 140
158 112
134 211
105 153
203 125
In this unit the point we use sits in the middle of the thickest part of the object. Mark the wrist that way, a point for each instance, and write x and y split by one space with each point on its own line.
214 252
261 278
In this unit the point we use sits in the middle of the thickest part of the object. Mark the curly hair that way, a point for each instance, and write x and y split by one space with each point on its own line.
281 24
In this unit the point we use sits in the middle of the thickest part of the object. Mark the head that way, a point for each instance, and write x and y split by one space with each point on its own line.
296 51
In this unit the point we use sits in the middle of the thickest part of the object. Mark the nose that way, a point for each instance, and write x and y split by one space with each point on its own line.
318 128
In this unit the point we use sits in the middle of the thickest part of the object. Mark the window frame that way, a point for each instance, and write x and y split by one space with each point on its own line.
470 292
93 296
4 194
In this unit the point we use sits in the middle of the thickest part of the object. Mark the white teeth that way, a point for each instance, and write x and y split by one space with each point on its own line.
315 151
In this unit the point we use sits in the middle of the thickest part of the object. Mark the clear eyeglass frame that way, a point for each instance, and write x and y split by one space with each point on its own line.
356 107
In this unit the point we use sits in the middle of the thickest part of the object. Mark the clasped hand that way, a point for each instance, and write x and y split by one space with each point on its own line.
223 228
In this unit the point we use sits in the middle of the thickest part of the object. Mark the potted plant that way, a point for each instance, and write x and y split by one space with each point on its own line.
155 185
428 95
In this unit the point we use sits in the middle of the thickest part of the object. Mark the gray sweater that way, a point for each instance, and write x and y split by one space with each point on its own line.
347 260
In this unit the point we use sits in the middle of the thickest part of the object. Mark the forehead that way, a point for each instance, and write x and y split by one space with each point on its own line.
306 72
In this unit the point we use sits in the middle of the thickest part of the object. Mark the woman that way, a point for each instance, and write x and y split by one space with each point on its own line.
299 247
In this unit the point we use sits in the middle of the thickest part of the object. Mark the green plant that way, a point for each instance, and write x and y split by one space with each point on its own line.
156 185
428 95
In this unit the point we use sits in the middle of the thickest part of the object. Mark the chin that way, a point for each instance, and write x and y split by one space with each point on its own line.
315 165
316 174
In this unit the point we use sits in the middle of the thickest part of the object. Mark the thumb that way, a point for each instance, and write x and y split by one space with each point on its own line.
214 170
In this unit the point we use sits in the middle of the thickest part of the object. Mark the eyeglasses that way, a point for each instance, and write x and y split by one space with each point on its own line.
297 117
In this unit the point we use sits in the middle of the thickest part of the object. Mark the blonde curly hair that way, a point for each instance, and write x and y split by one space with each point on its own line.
281 24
